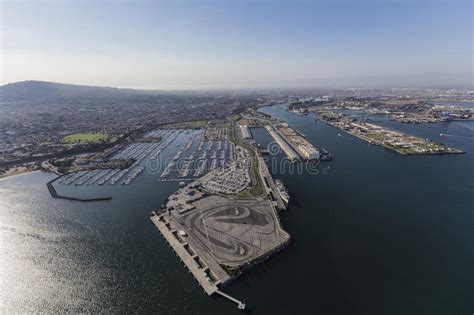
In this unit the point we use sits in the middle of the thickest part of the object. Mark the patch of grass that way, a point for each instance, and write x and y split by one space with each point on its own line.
234 117
257 189
91 137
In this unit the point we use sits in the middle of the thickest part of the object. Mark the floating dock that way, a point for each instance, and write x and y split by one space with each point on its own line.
175 180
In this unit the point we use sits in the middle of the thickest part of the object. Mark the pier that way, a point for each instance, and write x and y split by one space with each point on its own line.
269 184
286 148
175 180
49 167
197 266
240 305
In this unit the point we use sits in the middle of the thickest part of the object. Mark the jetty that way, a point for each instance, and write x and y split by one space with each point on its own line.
54 194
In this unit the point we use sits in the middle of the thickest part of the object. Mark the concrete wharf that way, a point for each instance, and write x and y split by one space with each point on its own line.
269 184
206 278
284 144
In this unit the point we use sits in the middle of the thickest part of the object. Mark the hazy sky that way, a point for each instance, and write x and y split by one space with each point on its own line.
233 44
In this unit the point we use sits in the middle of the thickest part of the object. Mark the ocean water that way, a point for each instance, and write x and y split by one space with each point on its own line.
373 232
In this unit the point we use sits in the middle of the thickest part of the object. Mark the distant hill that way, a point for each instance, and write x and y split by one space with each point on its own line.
26 91
41 90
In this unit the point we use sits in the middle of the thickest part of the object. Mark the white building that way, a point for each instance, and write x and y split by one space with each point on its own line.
245 132
309 152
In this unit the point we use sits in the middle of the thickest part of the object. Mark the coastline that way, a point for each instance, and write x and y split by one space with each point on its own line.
17 173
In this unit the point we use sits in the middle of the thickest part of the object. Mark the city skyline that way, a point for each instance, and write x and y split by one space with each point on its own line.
247 44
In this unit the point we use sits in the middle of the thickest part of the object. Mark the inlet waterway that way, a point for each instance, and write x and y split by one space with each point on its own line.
373 232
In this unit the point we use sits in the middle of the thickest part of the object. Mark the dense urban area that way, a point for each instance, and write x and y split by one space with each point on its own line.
50 120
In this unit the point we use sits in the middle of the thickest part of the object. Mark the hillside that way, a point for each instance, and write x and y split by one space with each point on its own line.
41 90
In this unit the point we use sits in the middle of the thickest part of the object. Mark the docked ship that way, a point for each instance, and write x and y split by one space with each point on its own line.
325 155
283 191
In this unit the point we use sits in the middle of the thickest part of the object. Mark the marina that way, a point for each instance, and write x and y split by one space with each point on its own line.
198 156
138 153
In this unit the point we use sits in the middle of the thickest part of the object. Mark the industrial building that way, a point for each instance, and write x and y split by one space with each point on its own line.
308 152
290 153
244 130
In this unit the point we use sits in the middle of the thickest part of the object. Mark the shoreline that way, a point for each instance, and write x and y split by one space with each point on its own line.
14 174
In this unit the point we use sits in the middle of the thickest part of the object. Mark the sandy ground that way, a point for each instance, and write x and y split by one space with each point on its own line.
15 171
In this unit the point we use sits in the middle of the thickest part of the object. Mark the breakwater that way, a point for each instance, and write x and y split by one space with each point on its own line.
54 194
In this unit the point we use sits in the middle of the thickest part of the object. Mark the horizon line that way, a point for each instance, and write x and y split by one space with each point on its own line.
306 86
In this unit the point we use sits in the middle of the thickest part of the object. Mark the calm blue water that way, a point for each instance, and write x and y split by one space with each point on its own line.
375 233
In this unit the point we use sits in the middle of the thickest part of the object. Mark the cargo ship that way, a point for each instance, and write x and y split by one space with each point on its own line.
283 191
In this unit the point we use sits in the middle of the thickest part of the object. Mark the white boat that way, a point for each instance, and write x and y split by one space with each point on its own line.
283 191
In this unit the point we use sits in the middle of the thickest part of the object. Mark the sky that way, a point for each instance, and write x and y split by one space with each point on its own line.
224 44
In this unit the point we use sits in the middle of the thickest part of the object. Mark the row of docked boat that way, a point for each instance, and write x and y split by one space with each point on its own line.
134 151
111 176
88 177
161 133
201 168
168 168
212 154
132 174
140 151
